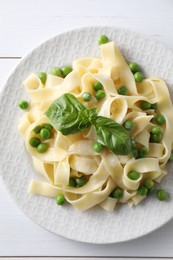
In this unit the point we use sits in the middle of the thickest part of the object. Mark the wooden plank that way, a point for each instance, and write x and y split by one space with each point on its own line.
77 258
6 66
78 8
24 24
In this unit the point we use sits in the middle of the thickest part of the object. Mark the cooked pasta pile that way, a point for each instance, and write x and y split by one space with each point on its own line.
70 157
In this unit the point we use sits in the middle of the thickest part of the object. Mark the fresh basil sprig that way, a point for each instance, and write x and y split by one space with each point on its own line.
69 116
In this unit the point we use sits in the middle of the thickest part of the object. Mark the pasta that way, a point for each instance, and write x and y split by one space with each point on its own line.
71 157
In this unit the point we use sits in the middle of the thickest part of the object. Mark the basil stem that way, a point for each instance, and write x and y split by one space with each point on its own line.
69 116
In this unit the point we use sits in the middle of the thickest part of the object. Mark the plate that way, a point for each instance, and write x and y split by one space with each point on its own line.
95 225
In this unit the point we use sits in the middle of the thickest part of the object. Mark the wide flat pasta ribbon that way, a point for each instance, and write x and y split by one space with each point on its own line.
73 155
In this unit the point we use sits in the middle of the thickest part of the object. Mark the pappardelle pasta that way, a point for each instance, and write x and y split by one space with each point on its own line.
99 133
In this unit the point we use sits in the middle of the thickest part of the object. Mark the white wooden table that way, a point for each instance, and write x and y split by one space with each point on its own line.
24 24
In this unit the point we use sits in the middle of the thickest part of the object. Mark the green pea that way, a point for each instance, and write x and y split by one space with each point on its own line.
57 72
97 147
37 129
138 76
156 138
149 183
66 70
103 39
162 195
133 175
117 193
87 96
143 152
133 142
44 133
129 125
156 134
72 182
43 77
156 130
41 148
81 181
48 126
134 67
122 90
34 141
154 106
97 86
142 190
23 104
60 199
135 153
100 94
145 105
171 157
160 119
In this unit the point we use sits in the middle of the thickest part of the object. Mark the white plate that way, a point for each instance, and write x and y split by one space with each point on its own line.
96 225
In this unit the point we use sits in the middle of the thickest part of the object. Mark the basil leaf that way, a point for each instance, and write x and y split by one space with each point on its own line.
69 116
113 135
